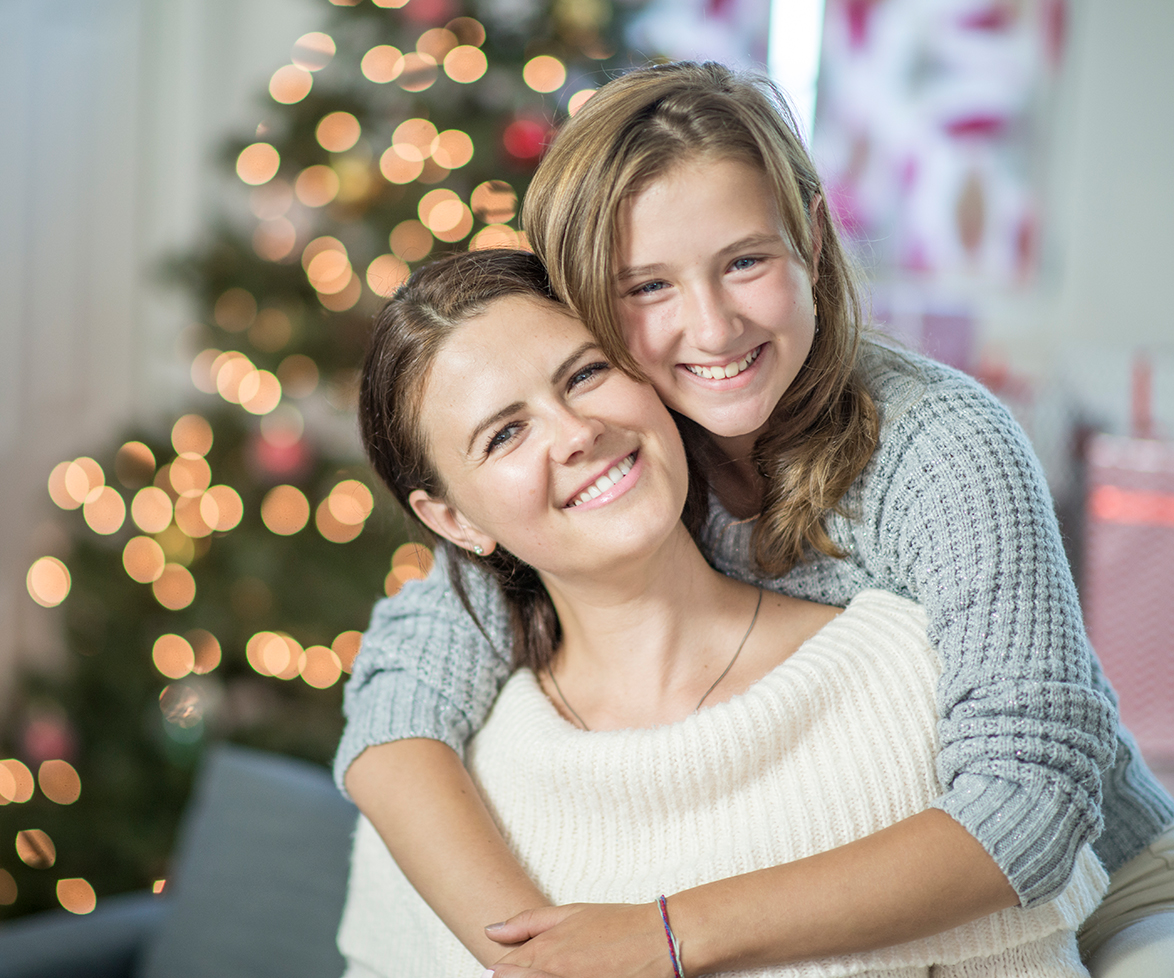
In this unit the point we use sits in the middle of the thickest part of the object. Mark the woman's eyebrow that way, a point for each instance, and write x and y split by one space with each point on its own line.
565 367
501 415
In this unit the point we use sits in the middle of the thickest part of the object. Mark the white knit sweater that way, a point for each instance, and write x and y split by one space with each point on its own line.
835 743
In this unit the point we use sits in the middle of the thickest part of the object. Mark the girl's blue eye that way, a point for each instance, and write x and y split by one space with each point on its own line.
648 288
741 264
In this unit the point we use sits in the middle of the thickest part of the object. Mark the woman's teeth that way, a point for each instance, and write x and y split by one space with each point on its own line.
605 481
729 370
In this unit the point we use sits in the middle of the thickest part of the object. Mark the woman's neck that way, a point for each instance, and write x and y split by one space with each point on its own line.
643 642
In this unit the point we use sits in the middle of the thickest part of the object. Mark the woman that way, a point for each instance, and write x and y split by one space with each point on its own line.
493 415
681 218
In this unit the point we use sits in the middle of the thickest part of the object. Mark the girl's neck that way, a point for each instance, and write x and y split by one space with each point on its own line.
733 476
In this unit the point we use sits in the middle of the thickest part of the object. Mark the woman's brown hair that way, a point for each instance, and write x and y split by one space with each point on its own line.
637 128
407 336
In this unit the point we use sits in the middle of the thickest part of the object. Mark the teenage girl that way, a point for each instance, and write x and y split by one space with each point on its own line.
681 218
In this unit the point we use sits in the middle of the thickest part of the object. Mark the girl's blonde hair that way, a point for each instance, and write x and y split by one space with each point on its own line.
637 128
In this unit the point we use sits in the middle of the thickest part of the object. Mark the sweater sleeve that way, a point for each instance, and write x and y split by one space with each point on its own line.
964 522
425 669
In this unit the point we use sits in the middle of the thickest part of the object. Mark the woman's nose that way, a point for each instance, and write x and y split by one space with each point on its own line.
575 433
711 325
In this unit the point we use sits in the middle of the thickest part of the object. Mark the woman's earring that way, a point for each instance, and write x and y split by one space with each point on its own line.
815 310
478 549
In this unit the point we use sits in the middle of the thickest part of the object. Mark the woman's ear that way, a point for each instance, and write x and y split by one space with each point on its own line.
815 212
445 521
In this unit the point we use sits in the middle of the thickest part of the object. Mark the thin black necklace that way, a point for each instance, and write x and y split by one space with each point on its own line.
729 666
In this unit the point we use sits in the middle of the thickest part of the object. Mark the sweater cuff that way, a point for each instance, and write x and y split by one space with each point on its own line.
1034 838
394 711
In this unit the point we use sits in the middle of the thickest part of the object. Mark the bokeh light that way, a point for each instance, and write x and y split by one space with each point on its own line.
396 169
525 139
176 588
495 236
151 509
285 510
143 559
350 502
413 138
317 185
413 555
436 43
48 582
173 656
319 667
290 84
260 392
58 491
329 271
76 895
385 274
332 528
16 782
59 782
230 368
221 508
271 200
190 474
578 100
272 330
235 310
35 849
338 132
313 51
418 73
206 649
382 64
298 375
177 546
71 482
192 433
452 149
274 240
189 516
410 241
346 647
274 654
465 64
203 376
345 298
494 202
445 215
104 510
544 73
394 4
257 164
468 30
180 705
8 890
134 464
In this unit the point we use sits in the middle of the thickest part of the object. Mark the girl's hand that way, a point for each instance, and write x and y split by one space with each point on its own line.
584 940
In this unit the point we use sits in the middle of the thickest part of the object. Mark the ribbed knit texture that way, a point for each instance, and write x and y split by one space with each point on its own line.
952 511
836 743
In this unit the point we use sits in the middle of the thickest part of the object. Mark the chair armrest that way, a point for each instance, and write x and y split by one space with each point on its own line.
102 944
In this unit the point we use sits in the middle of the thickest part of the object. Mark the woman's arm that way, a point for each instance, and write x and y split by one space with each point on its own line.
919 877
424 806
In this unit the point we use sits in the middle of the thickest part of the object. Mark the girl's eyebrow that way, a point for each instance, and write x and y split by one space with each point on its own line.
560 371
750 241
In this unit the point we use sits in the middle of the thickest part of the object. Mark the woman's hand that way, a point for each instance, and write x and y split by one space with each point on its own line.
584 940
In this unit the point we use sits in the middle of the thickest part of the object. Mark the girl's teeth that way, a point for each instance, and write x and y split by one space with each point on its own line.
729 370
606 481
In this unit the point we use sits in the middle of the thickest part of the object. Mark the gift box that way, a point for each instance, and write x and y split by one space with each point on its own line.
1128 581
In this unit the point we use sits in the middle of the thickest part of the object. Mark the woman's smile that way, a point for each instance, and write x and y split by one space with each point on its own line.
616 481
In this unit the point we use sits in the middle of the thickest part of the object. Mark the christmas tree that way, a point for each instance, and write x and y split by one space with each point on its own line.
214 572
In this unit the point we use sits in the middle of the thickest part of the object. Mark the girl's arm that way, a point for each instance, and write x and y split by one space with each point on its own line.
422 685
919 877
424 806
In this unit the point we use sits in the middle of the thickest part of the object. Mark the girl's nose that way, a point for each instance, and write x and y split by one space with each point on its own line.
711 326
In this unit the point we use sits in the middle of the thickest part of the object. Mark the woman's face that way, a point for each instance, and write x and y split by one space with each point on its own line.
715 304
545 448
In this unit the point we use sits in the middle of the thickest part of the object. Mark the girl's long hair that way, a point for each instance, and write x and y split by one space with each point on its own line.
637 128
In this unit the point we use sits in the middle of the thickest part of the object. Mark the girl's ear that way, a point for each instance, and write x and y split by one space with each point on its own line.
450 523
816 214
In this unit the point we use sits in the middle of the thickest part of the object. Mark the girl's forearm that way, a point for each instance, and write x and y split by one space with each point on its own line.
426 809
921 876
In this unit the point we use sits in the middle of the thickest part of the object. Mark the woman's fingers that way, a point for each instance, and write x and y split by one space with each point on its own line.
529 923
514 971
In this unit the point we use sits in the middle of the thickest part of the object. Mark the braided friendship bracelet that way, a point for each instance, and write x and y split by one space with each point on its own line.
674 947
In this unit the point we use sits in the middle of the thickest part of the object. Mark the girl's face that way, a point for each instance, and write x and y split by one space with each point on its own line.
545 448
715 304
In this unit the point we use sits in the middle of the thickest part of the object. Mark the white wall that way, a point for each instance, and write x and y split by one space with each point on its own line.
110 115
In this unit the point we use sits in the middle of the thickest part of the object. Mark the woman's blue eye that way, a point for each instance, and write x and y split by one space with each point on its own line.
584 374
502 436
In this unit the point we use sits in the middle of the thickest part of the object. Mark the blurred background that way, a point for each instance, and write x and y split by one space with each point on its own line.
202 203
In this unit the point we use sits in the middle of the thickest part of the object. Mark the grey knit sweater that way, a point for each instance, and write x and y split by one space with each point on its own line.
952 511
